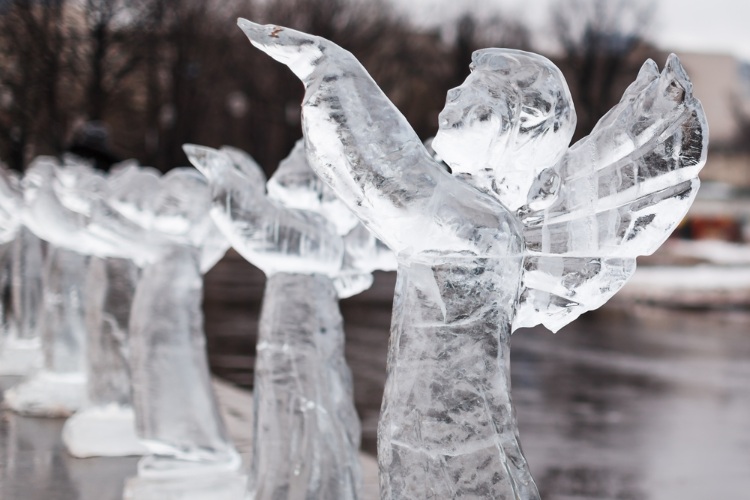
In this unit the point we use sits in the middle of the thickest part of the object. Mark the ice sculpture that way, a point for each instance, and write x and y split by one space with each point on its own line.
161 224
525 231
106 425
63 195
58 389
176 411
21 284
313 251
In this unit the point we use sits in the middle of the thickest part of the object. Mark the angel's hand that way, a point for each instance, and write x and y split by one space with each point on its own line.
357 141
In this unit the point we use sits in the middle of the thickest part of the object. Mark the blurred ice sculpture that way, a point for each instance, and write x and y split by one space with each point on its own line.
169 350
525 231
58 389
314 251
20 282
106 426
176 412
162 225
61 196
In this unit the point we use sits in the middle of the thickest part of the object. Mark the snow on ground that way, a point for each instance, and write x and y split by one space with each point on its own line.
703 277
721 277
689 286
716 251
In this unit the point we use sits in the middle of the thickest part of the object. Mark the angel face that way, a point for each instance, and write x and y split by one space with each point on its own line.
512 117
476 113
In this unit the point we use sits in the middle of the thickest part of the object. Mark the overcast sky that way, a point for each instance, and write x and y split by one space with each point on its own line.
679 25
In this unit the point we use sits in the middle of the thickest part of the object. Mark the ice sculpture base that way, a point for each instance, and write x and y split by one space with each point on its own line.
165 467
102 431
20 357
48 394
213 486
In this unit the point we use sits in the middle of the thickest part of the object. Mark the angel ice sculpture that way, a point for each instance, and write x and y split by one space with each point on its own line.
58 389
314 251
525 231
162 225
63 195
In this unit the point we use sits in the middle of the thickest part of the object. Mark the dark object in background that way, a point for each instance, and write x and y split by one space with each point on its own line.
91 144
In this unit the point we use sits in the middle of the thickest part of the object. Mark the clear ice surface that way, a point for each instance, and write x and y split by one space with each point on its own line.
59 389
306 436
176 411
525 231
160 224
21 280
105 424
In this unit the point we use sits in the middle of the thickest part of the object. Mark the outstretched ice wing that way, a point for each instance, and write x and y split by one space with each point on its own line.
616 194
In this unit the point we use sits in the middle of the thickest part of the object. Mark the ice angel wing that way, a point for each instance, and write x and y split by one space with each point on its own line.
616 194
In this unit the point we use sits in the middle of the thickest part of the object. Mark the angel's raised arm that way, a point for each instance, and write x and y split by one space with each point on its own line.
45 214
356 139
270 236
83 221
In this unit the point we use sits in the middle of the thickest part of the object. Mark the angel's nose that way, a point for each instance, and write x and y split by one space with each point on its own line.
453 95
450 118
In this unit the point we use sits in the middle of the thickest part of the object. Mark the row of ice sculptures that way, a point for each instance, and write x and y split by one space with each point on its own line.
518 229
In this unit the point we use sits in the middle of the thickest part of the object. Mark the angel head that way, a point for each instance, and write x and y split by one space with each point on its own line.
511 118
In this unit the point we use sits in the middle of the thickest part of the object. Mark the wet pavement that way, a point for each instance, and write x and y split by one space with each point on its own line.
35 466
648 404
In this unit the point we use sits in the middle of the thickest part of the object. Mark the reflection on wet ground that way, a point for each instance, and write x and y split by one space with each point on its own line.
647 405
35 466
652 404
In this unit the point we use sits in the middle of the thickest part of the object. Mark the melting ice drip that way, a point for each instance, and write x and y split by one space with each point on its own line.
314 251
527 231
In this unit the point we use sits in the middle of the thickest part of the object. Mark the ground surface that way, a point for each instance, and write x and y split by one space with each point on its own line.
651 404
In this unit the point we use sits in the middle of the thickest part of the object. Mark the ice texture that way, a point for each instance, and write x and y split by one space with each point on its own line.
27 262
176 411
306 435
110 287
524 231
21 281
161 225
106 425
60 388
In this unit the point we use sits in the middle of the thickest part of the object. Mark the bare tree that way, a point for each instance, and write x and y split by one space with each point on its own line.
35 66
603 45
494 31
111 37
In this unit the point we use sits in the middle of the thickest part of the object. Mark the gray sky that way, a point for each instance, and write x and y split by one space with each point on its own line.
679 25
